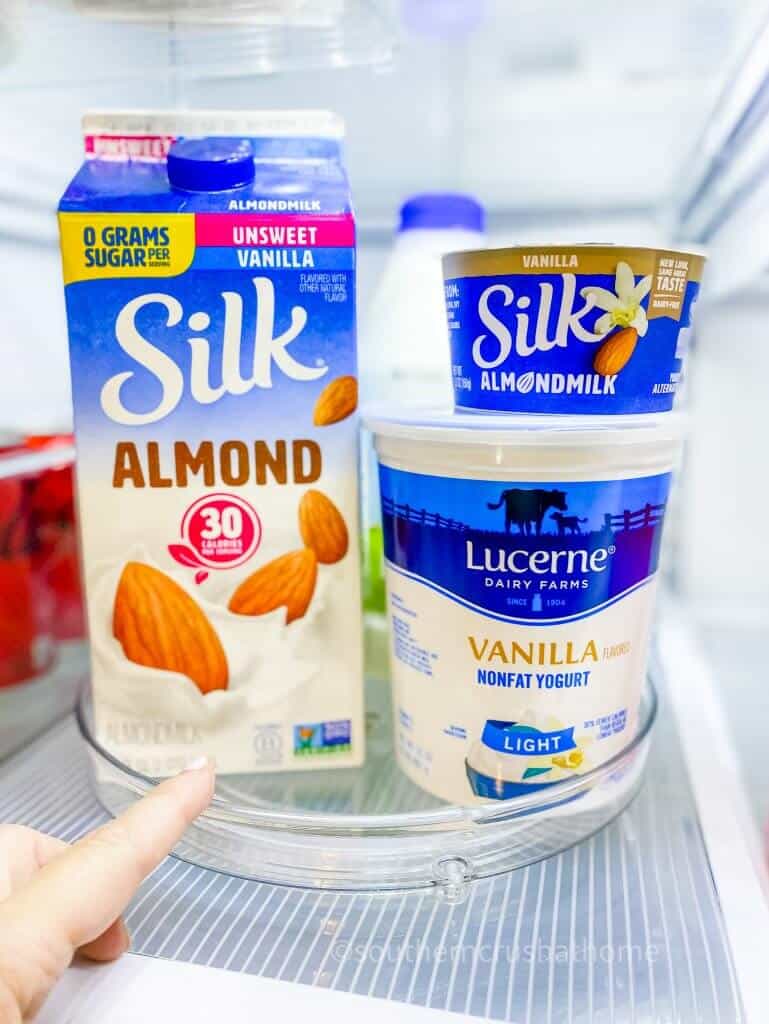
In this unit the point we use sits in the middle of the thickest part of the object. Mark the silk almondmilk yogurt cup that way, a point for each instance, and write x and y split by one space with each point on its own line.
578 329
521 558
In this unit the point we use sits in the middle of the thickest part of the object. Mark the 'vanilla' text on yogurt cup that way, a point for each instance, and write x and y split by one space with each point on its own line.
521 559
577 329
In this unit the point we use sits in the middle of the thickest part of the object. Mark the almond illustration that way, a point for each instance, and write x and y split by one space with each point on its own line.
322 527
288 581
159 625
615 352
337 401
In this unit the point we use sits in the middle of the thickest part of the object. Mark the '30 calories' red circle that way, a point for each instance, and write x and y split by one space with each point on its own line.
222 529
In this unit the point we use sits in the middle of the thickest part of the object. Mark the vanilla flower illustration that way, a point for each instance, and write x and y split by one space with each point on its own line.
623 309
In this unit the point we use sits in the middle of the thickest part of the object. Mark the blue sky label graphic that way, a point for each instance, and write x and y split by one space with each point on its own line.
520 551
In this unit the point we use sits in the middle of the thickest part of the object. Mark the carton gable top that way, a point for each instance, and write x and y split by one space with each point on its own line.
296 155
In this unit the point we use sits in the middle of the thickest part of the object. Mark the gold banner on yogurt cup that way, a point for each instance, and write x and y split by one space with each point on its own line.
582 329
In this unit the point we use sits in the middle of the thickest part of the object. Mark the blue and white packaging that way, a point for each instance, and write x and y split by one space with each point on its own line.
586 329
209 268
521 558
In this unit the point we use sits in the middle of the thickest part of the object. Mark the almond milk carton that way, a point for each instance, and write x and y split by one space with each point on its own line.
209 269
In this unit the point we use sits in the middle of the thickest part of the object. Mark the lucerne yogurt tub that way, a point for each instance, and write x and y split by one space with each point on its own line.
521 559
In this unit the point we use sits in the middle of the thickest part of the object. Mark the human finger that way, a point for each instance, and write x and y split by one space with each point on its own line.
76 898
23 851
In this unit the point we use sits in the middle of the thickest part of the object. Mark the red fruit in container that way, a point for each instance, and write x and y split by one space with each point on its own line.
55 552
10 499
18 627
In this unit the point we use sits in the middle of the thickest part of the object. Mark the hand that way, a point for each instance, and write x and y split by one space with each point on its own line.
56 900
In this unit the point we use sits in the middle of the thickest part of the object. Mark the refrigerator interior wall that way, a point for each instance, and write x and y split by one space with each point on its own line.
724 557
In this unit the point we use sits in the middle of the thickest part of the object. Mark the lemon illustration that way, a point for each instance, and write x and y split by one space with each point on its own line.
570 761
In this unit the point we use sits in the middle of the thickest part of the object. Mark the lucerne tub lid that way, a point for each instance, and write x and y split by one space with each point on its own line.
443 424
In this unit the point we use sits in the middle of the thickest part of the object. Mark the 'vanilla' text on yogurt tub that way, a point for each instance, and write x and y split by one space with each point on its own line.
576 329
521 559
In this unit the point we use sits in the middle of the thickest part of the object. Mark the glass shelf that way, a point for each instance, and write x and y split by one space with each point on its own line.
258 36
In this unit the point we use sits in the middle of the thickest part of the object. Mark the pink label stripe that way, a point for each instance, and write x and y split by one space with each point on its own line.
128 147
274 231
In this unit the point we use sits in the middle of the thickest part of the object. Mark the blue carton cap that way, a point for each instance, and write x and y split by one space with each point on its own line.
441 210
210 165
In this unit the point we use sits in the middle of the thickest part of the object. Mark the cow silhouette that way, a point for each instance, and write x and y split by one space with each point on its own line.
568 524
528 508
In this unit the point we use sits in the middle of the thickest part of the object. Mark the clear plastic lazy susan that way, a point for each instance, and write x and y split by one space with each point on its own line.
370 829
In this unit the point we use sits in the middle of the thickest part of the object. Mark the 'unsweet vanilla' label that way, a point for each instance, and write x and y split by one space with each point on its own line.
519 615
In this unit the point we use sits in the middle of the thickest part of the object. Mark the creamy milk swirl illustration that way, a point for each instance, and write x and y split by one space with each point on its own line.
521 563
575 329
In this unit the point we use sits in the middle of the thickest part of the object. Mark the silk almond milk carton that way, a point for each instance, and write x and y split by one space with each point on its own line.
210 290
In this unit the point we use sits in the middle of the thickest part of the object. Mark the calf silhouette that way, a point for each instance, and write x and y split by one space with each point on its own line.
528 508
568 524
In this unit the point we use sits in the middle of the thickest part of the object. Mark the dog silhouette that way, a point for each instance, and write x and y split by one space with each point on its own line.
568 524
528 508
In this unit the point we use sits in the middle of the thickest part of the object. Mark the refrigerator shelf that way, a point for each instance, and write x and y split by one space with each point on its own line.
370 829
625 926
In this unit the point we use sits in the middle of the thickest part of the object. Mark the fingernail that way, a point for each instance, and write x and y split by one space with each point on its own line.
197 763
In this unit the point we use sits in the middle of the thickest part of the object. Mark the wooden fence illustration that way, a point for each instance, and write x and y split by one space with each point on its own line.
420 516
649 515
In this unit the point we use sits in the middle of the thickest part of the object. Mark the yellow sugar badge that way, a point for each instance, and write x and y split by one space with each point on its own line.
104 245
